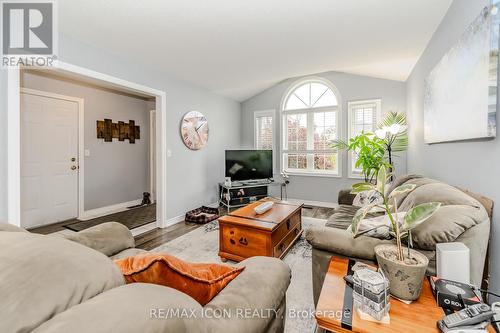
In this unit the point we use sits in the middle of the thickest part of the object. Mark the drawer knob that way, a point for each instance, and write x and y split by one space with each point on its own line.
243 241
288 224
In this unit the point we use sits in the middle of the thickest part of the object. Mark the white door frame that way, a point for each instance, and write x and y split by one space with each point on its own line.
14 137
152 149
81 138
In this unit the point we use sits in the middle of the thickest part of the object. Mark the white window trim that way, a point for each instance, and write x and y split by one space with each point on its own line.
265 113
283 112
350 124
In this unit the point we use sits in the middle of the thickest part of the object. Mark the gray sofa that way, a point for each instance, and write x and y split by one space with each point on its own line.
463 217
52 284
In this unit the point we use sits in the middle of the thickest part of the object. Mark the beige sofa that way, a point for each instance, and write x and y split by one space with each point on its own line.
463 217
52 284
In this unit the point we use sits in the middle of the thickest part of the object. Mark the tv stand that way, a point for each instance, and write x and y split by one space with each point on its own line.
242 193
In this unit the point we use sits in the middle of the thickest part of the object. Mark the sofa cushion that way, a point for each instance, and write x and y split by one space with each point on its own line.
200 281
133 308
343 214
458 213
42 276
341 242
109 238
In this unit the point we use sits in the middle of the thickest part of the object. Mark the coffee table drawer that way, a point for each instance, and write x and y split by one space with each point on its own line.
243 242
279 249
285 228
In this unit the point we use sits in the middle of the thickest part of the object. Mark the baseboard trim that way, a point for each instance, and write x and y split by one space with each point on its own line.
116 208
314 203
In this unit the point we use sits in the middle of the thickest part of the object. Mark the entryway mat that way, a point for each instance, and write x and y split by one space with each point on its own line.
131 218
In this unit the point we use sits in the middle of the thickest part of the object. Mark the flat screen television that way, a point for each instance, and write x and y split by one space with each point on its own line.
249 164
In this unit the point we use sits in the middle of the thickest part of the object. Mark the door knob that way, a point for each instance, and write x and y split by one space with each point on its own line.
73 167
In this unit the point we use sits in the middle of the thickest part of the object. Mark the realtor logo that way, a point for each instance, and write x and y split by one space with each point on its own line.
28 33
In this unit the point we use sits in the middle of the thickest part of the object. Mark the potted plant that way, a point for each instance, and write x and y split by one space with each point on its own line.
370 153
405 269
393 130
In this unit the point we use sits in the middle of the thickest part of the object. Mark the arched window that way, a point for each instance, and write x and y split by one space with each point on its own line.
310 123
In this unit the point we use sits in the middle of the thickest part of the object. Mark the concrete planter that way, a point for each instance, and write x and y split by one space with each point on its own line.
405 278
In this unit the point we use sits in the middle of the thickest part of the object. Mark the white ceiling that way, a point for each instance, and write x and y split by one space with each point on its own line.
238 48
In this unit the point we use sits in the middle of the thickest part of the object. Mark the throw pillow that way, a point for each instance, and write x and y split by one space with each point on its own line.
378 227
200 281
367 198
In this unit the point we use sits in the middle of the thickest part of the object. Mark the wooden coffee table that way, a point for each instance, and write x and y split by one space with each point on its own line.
335 306
244 234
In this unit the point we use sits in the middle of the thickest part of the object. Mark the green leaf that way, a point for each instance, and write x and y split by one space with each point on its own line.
401 139
419 214
381 179
361 187
405 188
358 217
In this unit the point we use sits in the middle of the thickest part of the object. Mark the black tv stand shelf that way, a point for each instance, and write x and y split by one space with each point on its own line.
242 194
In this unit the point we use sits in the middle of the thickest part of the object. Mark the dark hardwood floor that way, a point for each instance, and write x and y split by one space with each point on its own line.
157 236
51 228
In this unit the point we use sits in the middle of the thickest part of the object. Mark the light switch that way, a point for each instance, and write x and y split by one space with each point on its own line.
169 153
87 152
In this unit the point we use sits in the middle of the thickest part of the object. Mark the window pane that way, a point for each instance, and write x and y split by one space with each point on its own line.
301 161
324 130
292 161
294 103
317 91
264 132
328 99
326 162
304 94
296 161
296 131
310 95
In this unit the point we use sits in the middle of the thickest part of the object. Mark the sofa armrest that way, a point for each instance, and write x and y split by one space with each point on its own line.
338 241
135 307
108 238
345 197
261 286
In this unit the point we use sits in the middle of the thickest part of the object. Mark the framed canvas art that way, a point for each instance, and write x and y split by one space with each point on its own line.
460 97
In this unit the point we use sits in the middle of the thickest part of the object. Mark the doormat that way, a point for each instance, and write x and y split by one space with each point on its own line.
131 218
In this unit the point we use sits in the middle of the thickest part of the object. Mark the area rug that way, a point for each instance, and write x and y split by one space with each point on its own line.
131 218
202 245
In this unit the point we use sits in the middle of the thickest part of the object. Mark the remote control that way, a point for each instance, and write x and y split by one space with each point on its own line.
469 316
262 208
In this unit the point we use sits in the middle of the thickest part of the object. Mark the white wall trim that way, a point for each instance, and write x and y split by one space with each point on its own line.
81 139
314 203
13 134
152 149
14 147
98 212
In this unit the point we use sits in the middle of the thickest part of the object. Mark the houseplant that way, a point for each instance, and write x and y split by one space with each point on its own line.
405 269
393 130
370 153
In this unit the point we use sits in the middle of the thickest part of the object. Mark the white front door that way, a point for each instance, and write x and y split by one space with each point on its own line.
49 160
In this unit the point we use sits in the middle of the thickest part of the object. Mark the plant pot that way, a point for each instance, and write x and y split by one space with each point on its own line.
405 278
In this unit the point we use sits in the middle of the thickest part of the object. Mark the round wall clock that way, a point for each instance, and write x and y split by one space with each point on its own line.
194 130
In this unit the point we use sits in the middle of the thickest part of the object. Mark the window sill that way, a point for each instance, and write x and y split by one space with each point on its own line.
312 174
